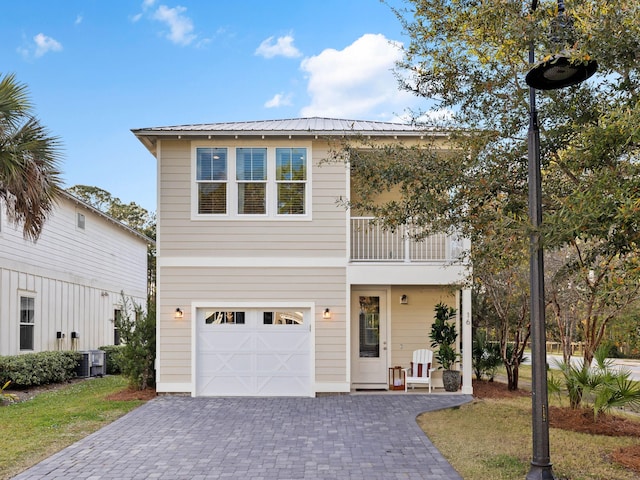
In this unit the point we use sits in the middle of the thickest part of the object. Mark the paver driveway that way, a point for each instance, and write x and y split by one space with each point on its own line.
329 437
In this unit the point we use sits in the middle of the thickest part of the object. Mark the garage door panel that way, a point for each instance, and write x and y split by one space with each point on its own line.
290 363
280 386
228 385
222 339
252 359
231 362
297 340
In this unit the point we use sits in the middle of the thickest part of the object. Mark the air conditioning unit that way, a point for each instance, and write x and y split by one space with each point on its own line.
98 363
93 363
83 370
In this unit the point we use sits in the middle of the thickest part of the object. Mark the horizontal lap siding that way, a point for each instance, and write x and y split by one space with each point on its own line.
181 286
103 255
324 236
411 323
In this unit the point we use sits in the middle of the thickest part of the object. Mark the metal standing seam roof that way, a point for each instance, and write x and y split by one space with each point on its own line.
298 127
295 126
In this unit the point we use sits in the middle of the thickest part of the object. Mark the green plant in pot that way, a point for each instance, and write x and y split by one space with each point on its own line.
443 336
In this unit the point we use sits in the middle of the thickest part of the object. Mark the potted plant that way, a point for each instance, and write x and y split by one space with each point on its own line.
443 336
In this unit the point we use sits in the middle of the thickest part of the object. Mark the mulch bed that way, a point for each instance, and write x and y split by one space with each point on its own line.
580 420
28 393
133 394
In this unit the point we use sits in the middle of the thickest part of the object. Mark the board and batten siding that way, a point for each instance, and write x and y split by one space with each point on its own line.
75 276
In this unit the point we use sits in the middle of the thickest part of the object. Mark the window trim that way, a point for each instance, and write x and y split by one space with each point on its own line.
32 296
232 182
81 221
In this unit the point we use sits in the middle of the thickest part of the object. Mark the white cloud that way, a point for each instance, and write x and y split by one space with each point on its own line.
282 47
45 44
356 82
180 26
78 20
279 100
146 5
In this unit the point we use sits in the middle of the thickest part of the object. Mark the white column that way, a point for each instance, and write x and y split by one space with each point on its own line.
467 342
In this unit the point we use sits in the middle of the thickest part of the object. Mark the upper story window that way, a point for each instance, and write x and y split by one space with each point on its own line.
249 182
291 176
251 174
211 176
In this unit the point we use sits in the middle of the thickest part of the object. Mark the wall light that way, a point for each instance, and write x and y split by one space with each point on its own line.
404 300
179 313
326 314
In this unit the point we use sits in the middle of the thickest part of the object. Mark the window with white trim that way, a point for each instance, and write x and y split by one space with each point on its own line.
211 177
251 182
291 177
27 322
251 175
117 319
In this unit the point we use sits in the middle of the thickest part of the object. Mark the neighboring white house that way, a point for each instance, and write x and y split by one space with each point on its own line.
266 286
64 291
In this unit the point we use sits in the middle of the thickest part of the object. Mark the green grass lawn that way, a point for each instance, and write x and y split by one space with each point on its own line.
35 429
491 439
504 426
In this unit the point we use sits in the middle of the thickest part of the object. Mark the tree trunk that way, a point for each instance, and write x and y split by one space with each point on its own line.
513 372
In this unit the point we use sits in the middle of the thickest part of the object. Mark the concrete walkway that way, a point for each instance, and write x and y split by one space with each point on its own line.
329 437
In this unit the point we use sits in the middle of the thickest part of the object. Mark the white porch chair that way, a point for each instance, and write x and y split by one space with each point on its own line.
420 370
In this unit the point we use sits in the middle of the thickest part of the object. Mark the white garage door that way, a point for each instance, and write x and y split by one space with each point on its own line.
253 353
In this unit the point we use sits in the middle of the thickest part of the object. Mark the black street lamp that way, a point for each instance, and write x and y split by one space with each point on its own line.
557 72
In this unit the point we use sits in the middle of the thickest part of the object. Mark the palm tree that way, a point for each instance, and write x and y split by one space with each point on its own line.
29 176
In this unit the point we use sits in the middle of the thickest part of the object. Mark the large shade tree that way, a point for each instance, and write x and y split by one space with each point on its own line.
29 175
469 60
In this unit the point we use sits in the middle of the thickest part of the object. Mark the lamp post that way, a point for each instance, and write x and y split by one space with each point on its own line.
557 72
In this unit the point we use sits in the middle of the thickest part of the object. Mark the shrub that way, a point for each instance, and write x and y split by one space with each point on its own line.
486 356
443 335
603 385
32 369
138 335
113 354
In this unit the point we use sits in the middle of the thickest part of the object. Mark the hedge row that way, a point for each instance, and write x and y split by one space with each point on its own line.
40 368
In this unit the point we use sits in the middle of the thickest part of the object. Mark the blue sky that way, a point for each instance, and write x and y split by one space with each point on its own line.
96 69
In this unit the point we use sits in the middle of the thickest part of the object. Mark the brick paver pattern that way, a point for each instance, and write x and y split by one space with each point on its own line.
330 437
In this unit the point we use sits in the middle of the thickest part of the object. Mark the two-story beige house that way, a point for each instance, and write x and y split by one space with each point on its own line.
266 286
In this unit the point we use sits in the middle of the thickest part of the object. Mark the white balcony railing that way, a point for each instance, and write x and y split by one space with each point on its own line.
371 243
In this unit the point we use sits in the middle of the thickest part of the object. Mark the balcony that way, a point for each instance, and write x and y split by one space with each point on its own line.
371 243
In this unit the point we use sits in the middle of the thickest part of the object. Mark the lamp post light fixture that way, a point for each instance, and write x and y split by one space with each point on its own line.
554 73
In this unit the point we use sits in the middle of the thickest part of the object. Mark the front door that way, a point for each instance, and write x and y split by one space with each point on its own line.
369 339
